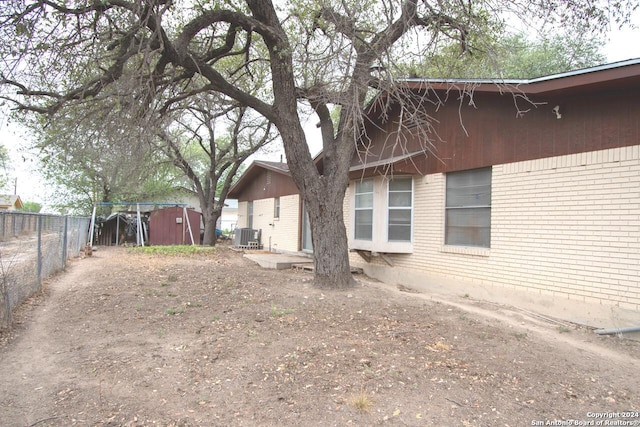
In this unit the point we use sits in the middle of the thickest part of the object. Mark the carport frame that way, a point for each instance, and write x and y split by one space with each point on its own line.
139 231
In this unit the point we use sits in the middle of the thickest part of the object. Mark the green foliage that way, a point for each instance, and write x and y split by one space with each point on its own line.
4 162
31 207
266 61
513 57
91 157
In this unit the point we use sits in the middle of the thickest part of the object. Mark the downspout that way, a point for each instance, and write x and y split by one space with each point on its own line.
618 331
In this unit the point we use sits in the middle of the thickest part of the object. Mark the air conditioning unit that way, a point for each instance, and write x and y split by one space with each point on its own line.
243 236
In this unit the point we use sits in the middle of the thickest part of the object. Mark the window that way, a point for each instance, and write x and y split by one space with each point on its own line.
364 210
250 214
400 202
468 208
382 215
276 207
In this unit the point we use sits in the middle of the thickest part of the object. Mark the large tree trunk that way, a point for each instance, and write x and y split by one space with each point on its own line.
324 198
210 218
323 194
329 236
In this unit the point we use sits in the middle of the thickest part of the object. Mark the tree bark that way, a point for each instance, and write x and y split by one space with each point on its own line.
329 237
210 217
324 199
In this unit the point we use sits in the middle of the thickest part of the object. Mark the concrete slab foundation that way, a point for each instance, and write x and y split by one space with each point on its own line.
278 261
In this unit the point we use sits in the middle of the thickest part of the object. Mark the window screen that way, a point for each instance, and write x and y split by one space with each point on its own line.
364 210
400 210
468 208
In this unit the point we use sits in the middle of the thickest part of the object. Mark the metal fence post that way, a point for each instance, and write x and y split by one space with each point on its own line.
39 266
65 242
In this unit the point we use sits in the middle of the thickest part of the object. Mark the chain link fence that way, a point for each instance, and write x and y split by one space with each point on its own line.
32 248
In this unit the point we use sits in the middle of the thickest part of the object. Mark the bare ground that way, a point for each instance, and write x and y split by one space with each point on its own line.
125 339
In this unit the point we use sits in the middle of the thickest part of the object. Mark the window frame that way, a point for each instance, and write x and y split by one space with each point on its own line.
379 241
370 208
478 214
390 208
250 214
276 208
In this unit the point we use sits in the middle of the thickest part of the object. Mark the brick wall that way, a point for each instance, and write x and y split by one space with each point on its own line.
566 226
278 234
285 231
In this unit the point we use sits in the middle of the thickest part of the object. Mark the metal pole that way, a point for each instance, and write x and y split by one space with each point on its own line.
117 229
93 224
618 331
65 242
39 261
186 214
140 235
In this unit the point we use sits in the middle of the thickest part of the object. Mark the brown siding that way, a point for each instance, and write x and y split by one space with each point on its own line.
496 136
268 184
164 229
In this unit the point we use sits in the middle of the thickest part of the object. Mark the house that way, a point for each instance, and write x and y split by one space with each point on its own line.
229 218
532 185
10 202
268 201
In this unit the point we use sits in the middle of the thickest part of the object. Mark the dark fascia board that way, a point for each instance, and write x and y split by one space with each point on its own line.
572 80
279 167
252 171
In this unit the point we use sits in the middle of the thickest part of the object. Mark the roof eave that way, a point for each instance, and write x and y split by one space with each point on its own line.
562 81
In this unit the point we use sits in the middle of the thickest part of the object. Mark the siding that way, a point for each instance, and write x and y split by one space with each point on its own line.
567 226
490 133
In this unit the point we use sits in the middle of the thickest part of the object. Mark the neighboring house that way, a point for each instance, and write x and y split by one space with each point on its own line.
10 202
268 200
229 218
546 201
184 197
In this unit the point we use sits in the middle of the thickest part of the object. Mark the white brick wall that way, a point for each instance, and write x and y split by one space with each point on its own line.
567 226
278 234
242 214
285 232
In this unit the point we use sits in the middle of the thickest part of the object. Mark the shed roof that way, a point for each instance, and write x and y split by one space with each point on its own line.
10 201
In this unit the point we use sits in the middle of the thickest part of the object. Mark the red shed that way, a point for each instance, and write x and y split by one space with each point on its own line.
169 226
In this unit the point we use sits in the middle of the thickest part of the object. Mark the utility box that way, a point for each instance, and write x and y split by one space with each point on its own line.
169 226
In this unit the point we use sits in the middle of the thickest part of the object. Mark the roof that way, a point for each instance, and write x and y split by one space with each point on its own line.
275 166
614 79
253 171
617 75
10 201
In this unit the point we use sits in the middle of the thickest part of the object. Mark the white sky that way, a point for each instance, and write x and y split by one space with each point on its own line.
623 44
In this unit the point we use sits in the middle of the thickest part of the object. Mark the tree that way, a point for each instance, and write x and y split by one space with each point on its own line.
34 207
208 160
514 56
90 157
319 54
4 160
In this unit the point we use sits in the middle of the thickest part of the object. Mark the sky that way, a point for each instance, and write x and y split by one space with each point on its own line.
26 182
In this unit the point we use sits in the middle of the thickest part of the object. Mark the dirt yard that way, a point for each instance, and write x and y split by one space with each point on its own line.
125 339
